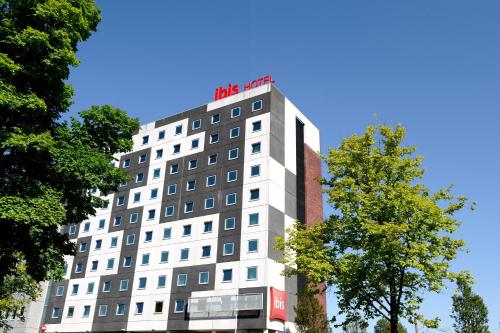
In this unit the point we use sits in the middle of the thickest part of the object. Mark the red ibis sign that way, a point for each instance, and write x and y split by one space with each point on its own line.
278 305
233 89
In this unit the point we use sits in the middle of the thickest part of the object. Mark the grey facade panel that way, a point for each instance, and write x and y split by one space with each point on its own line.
276 220
253 320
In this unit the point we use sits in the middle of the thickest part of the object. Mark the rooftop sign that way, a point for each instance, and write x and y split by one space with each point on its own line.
233 89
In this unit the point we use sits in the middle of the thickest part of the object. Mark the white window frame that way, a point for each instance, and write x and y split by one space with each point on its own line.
232 112
261 105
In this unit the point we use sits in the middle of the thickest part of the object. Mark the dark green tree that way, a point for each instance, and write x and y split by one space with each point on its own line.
469 311
310 316
384 326
47 166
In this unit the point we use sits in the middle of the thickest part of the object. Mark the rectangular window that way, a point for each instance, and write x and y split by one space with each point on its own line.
164 257
211 180
235 112
196 124
215 118
172 189
106 286
90 288
158 307
188 207
257 105
181 280
254 194
103 310
83 247
98 244
79 267
123 284
148 236
159 153
184 254
110 264
139 308
177 148
117 221
256 126
195 143
231 199
145 259
256 148
134 217
145 139
86 310
191 185
126 163
186 230
130 239
255 170
169 211
94 265
205 251
229 223
162 281
154 193
207 227
142 158
139 177
161 135
151 214
233 153
252 273
228 249
179 306
253 219
71 311
232 176
60 290
74 290
86 227
56 312
123 183
203 278
127 261
137 196
174 168
214 138
227 275
209 203
114 241
120 309
156 173
178 129
102 223
142 283
167 233
212 159
234 132
253 245
72 229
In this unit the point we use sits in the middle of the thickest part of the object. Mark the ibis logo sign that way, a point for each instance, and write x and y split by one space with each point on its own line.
278 304
233 89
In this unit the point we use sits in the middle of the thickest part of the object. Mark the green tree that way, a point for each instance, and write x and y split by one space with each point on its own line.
384 326
47 166
310 314
469 311
355 326
389 238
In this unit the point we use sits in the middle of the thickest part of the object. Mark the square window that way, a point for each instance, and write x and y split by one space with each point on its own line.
120 309
93 266
145 259
172 189
207 227
215 118
159 153
253 219
191 185
142 283
106 286
158 307
142 158
254 194
94 190
256 148
123 284
196 124
137 196
83 247
127 261
181 279
184 254
235 112
231 199
188 207
234 132
228 249
205 251
232 176
209 203
195 143
134 217
256 126
154 193
130 239
162 281
229 223
139 308
169 211
253 245
123 183
179 306
174 168
151 214
86 227
203 278
161 135
164 257
255 170
214 138
102 223
156 173
212 159
86 310
139 177
72 229
257 105
149 236
252 273
90 287
117 221
193 164
56 312
103 310
114 241
126 163
167 233
233 153
60 290
74 290
186 230
110 264
178 129
71 311
211 180
177 148
145 139
227 275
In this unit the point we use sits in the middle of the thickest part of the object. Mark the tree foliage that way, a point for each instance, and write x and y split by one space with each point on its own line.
469 311
48 166
389 239
310 314
384 326
355 326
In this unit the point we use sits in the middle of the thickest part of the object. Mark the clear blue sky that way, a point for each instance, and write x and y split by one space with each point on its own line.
432 65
